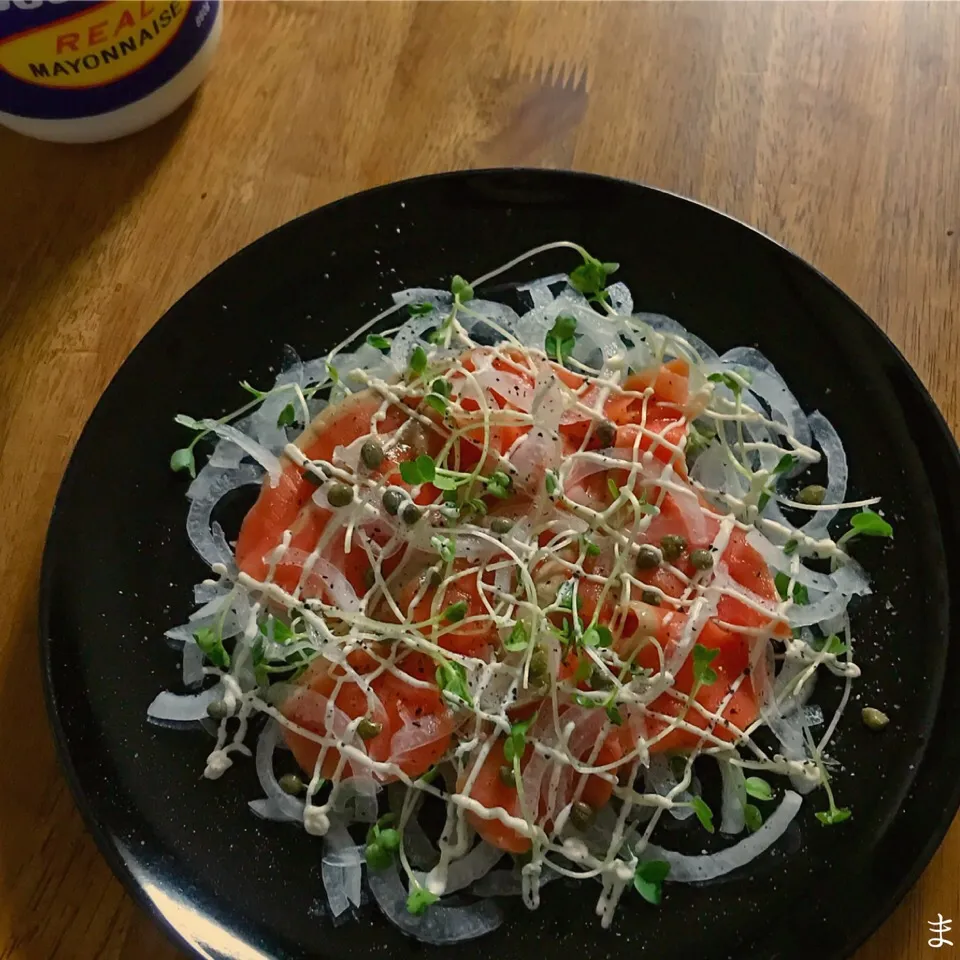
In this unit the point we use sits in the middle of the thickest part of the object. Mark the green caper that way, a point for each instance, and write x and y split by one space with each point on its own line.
371 453
292 784
651 597
600 680
606 433
701 559
501 525
313 477
874 719
410 514
339 495
434 577
391 500
672 545
648 557
812 495
581 815
368 729
369 578
218 710
539 665
507 777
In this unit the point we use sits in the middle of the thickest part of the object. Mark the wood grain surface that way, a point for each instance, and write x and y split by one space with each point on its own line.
835 128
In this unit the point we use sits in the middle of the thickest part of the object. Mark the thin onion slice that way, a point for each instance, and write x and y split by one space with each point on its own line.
684 869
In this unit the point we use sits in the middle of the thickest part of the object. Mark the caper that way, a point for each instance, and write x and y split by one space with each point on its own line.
701 559
606 433
581 815
651 597
600 680
371 453
339 495
812 495
312 477
218 709
391 500
508 777
672 545
648 557
292 784
874 719
410 514
369 578
434 577
368 729
501 525
539 665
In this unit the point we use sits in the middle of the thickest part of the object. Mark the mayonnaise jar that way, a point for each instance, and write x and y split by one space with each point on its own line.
81 71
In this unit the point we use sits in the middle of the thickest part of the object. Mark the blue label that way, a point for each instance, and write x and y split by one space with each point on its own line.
63 60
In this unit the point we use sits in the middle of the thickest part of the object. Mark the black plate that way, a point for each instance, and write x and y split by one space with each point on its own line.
118 571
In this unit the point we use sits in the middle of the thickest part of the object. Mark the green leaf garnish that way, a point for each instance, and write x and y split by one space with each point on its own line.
787 462
516 740
590 278
752 817
461 289
758 788
582 700
589 547
445 546
614 715
419 899
452 681
728 380
597 636
832 644
790 547
782 582
418 361
455 612
698 439
836 815
560 339
613 488
703 674
869 524
259 394
704 813
421 470
419 309
565 595
288 416
332 372
375 340
519 637
551 482
648 880
438 403
211 643
498 484
183 459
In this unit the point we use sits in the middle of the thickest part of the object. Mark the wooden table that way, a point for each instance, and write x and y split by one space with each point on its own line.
834 128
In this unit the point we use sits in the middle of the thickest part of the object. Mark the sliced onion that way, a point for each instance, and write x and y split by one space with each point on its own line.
669 326
192 664
289 807
471 867
660 780
420 851
734 796
341 869
509 883
183 708
837 473
257 451
356 798
684 869
804 615
439 925
539 290
205 493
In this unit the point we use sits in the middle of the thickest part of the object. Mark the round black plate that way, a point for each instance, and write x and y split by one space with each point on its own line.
118 571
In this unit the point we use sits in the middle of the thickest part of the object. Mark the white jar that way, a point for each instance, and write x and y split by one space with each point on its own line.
84 71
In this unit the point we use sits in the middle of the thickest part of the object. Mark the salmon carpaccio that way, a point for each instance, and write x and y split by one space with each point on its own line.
515 576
